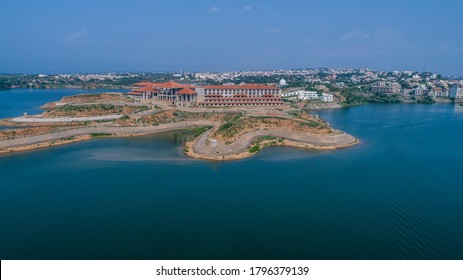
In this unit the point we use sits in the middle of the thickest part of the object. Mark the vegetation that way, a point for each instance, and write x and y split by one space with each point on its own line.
254 149
197 131
426 100
353 97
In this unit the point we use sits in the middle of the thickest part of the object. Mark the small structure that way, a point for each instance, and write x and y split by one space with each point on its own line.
283 83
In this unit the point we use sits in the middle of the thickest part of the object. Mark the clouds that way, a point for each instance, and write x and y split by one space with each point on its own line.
379 34
358 34
247 8
273 30
213 10
76 37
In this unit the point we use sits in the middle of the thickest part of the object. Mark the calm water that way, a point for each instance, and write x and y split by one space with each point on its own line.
16 102
397 195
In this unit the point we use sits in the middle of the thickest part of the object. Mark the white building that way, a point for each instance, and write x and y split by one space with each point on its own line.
327 97
456 92
282 83
438 92
386 87
418 91
302 94
307 95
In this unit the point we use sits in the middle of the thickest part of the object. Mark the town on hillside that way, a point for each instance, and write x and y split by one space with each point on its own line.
346 87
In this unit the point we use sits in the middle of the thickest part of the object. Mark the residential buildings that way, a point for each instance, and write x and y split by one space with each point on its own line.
386 87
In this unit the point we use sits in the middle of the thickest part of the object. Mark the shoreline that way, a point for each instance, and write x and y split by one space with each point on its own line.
252 142
75 135
191 149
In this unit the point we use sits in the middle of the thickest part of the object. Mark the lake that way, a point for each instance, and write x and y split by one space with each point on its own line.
396 195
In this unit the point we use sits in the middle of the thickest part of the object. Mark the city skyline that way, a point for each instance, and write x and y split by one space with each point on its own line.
218 36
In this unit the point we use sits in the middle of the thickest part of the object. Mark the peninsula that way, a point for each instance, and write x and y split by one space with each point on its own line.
238 125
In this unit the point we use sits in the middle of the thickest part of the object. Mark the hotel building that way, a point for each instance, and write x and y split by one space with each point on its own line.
223 95
240 95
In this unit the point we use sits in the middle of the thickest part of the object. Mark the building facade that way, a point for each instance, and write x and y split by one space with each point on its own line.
182 95
240 95
386 87
438 92
327 97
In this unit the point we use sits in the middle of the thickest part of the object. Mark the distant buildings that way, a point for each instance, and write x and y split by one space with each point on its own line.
327 97
386 87
302 94
456 92
418 91
438 92
309 95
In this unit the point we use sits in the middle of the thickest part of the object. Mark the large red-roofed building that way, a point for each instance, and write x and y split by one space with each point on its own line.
179 94
220 95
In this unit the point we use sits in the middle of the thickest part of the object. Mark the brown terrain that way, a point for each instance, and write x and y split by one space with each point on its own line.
220 134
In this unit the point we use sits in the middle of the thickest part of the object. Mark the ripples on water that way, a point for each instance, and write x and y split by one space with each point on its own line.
128 154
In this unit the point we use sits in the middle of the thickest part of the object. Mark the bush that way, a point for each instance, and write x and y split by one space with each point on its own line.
254 149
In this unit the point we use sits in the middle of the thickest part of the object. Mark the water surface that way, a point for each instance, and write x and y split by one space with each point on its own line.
396 195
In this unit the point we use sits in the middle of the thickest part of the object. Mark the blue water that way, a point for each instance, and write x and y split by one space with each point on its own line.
396 195
15 102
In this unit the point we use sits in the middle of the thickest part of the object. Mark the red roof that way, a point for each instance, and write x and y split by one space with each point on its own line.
186 91
245 86
145 89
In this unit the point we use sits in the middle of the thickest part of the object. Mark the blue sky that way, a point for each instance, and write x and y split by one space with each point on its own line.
222 35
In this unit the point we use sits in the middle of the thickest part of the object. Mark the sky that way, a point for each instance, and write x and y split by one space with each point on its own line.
224 35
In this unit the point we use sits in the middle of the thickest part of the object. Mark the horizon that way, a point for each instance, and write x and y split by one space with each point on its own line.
234 71
216 36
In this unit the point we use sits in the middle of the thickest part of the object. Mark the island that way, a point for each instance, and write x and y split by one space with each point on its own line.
218 133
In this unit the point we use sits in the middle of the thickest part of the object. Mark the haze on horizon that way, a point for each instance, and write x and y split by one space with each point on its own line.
205 35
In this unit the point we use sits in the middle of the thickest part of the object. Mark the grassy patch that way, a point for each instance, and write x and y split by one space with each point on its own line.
295 114
254 149
225 126
200 130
